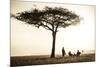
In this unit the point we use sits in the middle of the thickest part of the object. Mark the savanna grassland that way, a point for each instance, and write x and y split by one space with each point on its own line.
43 59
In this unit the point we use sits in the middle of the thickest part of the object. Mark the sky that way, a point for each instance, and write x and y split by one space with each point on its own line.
29 40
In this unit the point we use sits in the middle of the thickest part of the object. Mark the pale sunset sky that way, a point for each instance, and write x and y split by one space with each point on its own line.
29 40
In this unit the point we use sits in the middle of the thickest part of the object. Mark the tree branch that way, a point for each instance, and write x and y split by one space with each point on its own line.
48 27
56 27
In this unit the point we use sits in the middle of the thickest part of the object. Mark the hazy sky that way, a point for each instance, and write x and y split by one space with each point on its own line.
29 40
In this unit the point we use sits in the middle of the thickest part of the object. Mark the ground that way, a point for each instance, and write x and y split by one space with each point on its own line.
40 60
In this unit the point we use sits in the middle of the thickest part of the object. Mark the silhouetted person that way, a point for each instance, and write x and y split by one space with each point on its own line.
63 52
70 54
78 53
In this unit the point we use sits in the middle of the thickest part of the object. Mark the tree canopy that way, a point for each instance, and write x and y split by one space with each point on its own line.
49 18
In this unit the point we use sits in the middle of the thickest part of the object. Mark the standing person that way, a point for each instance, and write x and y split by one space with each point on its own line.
63 52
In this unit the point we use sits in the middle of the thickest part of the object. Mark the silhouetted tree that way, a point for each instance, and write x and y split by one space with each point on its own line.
50 19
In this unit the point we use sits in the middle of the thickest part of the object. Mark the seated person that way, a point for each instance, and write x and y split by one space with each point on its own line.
78 53
70 54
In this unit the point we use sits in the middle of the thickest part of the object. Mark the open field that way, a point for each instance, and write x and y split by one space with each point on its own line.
39 60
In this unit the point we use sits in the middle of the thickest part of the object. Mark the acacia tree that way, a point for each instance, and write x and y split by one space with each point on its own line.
50 19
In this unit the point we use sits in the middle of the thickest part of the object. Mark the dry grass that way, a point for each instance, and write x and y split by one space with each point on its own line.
39 60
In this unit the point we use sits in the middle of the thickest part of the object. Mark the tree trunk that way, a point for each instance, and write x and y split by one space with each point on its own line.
53 45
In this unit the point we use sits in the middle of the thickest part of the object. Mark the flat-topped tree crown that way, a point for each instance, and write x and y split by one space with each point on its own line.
49 18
